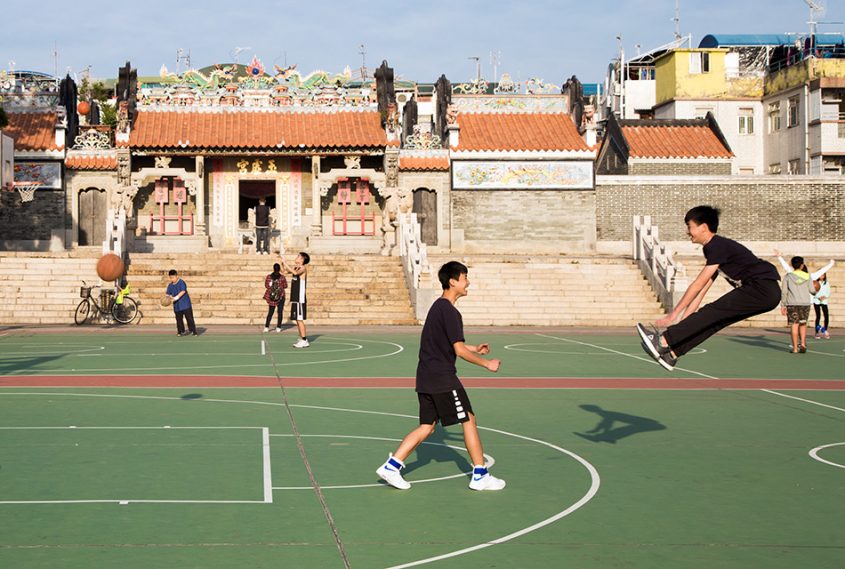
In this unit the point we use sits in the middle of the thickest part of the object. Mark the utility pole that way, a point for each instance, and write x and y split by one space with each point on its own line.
363 53
677 20
495 59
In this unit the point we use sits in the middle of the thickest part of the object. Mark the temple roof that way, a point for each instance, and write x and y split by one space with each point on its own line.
82 161
257 130
33 131
424 163
518 132
673 139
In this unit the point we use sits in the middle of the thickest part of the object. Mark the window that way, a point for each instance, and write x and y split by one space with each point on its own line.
774 169
774 117
746 121
699 62
792 112
792 166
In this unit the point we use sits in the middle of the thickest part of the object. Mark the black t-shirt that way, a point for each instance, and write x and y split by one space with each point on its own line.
262 215
436 372
736 262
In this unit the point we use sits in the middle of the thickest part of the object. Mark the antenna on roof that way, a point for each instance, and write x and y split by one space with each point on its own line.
237 51
677 20
817 8
182 56
55 60
495 60
363 53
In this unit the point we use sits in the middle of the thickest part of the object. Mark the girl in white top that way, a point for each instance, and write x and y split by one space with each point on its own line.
820 306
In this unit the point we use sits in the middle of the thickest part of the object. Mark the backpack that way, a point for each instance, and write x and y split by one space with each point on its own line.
275 289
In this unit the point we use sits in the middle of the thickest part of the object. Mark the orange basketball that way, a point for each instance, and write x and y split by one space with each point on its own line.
110 267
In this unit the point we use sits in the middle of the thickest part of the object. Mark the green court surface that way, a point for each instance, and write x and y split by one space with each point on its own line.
147 450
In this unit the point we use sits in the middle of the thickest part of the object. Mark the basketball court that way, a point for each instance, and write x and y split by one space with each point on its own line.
132 447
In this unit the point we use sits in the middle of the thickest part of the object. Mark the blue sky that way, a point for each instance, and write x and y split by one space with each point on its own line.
421 40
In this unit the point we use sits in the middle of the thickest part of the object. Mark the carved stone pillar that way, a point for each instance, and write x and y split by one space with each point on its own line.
199 226
316 202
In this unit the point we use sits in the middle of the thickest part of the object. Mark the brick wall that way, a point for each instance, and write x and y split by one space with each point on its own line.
770 208
32 220
679 169
525 216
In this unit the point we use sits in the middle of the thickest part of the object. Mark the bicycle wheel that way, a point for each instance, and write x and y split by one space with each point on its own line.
126 312
83 311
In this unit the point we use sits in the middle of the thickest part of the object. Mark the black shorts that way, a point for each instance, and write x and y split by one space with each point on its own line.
450 408
298 311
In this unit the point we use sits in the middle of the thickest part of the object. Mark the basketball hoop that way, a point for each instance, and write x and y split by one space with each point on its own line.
27 190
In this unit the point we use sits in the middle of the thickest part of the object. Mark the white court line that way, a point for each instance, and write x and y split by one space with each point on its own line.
639 358
488 460
64 371
268 492
595 479
815 454
268 476
804 400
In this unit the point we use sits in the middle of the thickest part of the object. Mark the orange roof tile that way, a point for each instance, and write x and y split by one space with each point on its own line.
33 130
257 130
518 131
91 162
674 141
424 163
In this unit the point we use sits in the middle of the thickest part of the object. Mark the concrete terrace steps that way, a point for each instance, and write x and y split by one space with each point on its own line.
226 288
554 291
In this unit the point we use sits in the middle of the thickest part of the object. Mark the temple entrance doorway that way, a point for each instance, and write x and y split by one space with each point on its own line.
425 206
92 217
249 191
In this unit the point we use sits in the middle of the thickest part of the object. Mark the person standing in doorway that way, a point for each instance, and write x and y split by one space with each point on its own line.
298 302
177 290
262 227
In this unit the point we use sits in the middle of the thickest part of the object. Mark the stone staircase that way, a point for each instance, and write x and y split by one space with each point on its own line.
554 291
226 288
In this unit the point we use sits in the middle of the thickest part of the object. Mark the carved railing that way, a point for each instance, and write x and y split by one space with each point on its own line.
115 241
666 276
415 264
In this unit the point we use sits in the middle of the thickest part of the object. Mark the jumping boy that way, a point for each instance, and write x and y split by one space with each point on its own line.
439 391
755 283
298 304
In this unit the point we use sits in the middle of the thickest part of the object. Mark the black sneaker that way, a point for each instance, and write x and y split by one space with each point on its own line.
651 345
802 349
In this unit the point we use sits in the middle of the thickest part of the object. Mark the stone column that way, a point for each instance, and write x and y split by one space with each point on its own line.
316 207
199 225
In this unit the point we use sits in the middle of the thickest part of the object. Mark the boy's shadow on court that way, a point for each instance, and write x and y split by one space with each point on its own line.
434 449
605 432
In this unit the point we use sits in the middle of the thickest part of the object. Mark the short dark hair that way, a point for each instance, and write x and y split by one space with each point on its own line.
702 214
277 267
451 270
172 272
306 258
796 262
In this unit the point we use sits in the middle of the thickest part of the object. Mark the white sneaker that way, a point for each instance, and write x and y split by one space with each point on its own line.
389 474
301 343
486 482
277 330
266 329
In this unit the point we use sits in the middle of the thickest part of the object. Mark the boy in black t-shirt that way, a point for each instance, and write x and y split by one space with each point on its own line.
441 394
755 283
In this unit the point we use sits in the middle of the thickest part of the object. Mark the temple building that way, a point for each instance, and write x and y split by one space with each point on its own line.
186 158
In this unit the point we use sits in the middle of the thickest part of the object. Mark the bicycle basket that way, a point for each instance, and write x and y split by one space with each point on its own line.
85 291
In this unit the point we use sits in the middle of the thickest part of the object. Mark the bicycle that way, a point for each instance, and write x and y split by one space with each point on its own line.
122 312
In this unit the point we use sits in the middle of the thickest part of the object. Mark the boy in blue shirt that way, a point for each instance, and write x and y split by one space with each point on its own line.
177 290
